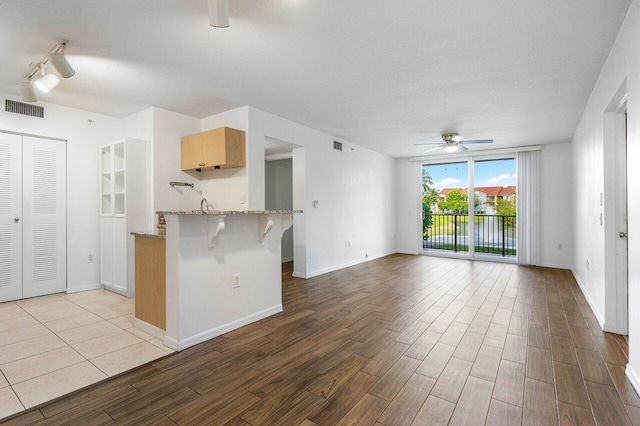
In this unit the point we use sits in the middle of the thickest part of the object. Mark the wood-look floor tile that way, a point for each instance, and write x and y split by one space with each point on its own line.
385 359
394 379
366 411
411 333
503 414
509 386
540 406
515 349
473 405
436 361
593 367
423 345
608 409
562 350
539 364
539 336
569 384
625 389
434 412
452 380
404 407
469 346
572 415
487 363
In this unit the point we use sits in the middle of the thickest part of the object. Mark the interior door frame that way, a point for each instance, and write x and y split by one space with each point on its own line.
616 311
66 200
470 159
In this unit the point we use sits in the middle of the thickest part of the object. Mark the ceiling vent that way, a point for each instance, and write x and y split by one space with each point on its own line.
337 145
23 108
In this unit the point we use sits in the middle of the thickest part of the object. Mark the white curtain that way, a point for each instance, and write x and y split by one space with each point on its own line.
528 191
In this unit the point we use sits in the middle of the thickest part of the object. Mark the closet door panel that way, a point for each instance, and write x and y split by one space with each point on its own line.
44 207
10 217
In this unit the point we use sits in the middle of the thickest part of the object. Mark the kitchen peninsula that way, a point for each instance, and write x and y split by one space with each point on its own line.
222 270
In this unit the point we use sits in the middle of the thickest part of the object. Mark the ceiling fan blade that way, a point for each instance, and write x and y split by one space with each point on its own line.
428 143
462 148
432 149
479 141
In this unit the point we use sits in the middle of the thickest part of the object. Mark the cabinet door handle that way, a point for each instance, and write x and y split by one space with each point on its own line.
16 219
202 164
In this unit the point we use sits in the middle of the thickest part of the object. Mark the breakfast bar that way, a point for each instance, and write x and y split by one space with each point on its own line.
222 270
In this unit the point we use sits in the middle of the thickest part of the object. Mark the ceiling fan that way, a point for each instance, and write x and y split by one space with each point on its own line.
453 142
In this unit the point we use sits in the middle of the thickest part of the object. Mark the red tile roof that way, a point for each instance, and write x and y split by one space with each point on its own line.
490 191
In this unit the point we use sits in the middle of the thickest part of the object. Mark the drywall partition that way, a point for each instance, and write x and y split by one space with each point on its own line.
348 196
168 128
228 189
84 132
556 206
556 236
590 168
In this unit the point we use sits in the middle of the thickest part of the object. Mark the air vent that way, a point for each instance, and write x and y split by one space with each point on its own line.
337 145
24 109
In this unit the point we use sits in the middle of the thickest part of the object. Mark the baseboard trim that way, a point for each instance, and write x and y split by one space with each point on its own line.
555 266
83 288
156 332
633 378
342 266
220 330
592 305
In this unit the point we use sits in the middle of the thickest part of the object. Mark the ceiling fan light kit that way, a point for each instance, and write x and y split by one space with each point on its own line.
453 142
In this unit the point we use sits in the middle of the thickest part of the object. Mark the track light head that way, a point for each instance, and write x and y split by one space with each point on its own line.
219 13
61 65
27 92
46 82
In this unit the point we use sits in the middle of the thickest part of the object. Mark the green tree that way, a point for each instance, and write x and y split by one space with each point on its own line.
455 202
505 207
429 199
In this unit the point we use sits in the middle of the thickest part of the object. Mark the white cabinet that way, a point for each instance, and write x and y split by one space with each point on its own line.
126 206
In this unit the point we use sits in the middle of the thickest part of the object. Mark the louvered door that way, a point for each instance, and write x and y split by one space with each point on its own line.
10 217
44 217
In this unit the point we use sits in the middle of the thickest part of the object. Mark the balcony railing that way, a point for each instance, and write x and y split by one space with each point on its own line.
494 235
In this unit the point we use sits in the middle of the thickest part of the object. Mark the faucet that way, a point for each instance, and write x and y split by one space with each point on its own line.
204 205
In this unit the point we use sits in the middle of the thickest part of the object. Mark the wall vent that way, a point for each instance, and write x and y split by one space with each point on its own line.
337 145
24 109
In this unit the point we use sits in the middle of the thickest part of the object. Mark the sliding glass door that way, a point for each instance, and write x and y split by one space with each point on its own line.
457 224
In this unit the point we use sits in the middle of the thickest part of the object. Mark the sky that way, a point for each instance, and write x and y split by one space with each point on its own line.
487 173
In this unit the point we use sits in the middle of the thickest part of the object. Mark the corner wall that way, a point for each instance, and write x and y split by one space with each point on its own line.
84 138
590 169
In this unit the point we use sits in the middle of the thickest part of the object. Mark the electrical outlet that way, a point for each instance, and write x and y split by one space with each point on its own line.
236 280
366 256
559 246
243 198
348 243
90 258
587 265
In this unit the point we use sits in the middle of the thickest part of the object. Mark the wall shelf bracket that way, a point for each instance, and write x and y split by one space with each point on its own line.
216 228
265 223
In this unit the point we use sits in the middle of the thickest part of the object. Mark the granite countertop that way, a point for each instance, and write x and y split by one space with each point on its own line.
150 234
226 212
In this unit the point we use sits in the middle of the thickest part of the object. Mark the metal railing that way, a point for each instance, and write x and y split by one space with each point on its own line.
493 234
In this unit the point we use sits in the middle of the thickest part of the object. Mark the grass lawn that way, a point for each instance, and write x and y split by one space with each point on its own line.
478 249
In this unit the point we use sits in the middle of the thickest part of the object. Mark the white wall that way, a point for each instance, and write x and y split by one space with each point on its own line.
83 190
225 189
279 196
168 128
590 170
355 190
555 206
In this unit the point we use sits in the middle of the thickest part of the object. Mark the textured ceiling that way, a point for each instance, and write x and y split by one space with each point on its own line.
379 73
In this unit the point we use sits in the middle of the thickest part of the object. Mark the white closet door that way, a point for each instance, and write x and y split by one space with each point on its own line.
10 210
44 206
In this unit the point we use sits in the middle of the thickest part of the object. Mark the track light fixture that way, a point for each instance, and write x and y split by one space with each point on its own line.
47 81
219 13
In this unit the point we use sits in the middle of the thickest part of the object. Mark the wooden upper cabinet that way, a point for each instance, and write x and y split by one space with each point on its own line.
222 148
